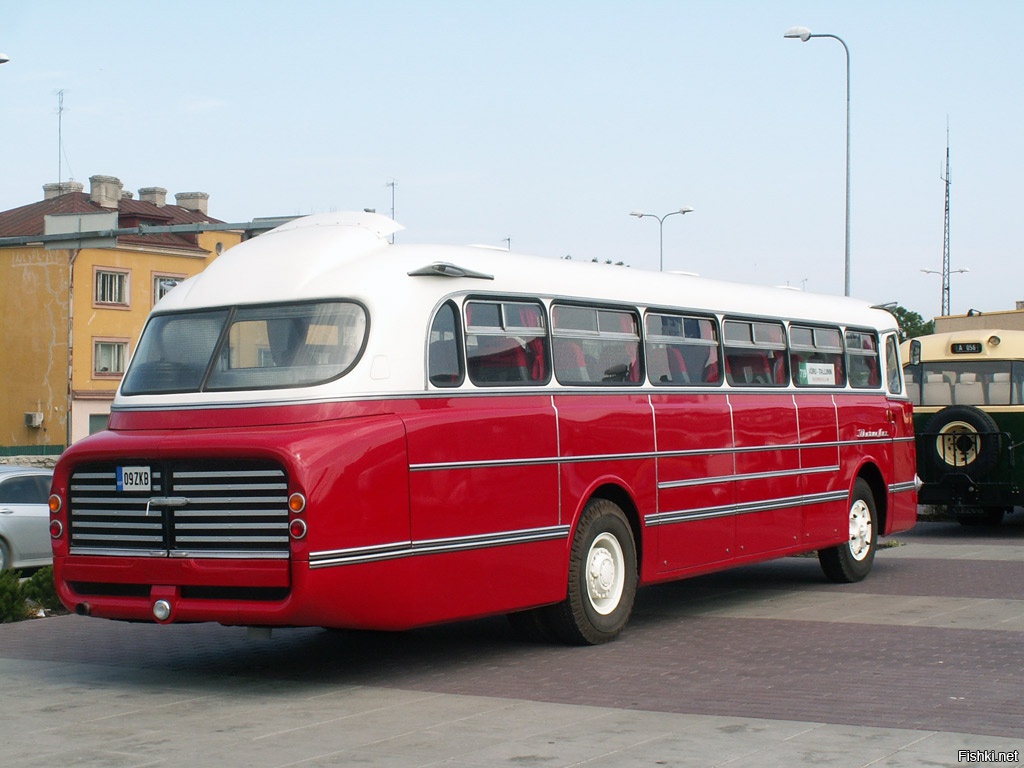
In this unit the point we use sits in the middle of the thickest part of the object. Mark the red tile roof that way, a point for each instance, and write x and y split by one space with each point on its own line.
28 219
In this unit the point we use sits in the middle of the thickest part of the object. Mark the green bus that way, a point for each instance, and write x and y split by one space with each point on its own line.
966 387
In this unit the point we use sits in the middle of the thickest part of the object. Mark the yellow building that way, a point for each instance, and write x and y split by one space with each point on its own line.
78 306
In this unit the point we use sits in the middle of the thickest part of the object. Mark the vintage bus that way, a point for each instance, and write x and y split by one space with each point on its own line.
966 387
325 429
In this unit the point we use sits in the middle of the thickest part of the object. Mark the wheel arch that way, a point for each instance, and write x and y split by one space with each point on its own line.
872 475
618 495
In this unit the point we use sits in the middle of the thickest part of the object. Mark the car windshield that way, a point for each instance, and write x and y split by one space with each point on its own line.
262 347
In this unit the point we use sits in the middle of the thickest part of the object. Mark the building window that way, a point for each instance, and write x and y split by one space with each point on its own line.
111 287
109 357
164 284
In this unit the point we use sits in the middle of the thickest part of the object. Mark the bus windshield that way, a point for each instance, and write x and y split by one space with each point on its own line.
973 382
283 345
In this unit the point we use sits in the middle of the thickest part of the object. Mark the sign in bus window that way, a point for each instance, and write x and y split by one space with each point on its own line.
816 356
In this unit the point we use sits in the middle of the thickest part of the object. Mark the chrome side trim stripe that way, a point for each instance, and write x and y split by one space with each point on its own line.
904 487
542 460
727 510
402 549
751 476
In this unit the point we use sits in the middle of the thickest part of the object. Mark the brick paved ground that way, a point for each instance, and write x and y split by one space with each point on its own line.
692 647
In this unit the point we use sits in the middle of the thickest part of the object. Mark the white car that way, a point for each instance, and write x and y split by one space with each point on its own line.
24 517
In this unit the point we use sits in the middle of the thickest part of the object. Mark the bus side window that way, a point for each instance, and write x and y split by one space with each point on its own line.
681 351
596 346
862 353
755 354
506 343
816 356
892 365
444 363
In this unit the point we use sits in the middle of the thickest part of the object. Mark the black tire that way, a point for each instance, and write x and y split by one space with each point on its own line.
5 556
852 560
963 439
602 578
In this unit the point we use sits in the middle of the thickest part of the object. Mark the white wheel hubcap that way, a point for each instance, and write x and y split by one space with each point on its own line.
606 573
860 530
958 444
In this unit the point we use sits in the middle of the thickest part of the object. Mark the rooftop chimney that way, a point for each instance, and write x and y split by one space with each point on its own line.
155 195
105 190
193 201
56 189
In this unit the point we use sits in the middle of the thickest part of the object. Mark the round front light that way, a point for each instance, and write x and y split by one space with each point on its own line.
297 503
56 529
55 504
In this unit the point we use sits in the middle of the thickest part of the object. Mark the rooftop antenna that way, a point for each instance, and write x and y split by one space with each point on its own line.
945 235
60 149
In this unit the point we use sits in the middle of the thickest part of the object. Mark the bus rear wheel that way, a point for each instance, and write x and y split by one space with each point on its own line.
602 578
852 560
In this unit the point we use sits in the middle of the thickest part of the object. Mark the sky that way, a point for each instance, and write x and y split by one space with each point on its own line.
544 124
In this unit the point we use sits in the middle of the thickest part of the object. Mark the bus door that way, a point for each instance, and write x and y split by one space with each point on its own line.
902 503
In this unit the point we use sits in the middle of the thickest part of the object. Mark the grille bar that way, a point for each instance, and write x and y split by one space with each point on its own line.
219 509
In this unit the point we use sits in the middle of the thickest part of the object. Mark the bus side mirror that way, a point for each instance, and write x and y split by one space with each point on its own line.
915 352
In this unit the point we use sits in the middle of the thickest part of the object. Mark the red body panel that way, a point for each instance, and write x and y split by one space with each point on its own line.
433 509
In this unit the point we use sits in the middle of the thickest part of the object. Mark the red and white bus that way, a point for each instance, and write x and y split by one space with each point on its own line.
325 429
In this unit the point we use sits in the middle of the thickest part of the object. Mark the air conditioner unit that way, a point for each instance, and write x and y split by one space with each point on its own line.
33 419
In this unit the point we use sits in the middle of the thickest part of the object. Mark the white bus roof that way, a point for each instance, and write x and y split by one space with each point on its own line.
347 255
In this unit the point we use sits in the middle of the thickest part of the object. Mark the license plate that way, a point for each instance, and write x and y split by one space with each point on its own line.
133 479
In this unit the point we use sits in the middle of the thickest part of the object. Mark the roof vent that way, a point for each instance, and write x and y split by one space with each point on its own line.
445 269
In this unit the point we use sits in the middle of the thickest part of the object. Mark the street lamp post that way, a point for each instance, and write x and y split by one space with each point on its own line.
945 285
804 34
661 230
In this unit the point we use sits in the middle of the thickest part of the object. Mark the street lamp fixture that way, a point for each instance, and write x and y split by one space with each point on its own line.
804 34
661 229
4 58
945 285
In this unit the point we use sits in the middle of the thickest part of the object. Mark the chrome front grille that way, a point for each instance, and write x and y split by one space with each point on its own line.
192 509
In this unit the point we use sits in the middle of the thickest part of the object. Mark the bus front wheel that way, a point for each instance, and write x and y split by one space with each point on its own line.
852 560
602 578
